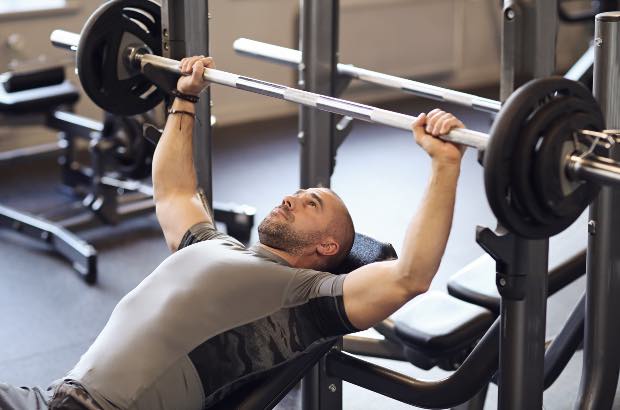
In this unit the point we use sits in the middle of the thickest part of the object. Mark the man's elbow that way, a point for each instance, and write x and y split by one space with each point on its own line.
414 282
166 222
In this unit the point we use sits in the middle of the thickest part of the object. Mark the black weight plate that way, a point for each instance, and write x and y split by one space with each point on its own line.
100 52
522 170
504 135
525 178
131 152
550 167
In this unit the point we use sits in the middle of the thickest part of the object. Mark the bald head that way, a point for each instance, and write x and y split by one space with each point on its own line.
342 229
313 223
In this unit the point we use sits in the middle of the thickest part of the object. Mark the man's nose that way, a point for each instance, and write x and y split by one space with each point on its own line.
288 202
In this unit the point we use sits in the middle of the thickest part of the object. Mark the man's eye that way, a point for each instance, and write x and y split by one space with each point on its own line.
312 203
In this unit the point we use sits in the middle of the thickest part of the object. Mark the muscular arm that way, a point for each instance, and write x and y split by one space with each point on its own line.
375 291
177 203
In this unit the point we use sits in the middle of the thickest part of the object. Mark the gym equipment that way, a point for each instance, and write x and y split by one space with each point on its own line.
536 191
474 283
283 55
599 376
104 189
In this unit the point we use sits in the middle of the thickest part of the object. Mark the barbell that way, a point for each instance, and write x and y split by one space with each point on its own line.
288 56
538 178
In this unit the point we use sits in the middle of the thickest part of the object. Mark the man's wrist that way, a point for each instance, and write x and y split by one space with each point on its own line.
191 97
446 167
183 105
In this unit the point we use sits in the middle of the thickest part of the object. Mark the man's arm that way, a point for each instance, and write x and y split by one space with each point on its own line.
177 203
375 291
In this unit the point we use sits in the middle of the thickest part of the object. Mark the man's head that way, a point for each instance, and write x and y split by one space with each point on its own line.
313 223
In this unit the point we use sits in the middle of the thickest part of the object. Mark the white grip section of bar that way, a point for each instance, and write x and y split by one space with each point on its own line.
221 77
475 139
65 39
393 119
301 97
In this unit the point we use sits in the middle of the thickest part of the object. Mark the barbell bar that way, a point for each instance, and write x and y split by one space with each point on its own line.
289 56
136 59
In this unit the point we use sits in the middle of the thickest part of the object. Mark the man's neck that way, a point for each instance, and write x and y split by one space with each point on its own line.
295 261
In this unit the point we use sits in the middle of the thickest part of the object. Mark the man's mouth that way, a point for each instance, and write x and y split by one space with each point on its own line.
281 211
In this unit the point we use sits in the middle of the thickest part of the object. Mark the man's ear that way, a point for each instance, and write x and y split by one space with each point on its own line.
328 247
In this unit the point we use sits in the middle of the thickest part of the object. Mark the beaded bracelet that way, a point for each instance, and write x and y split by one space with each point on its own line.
186 97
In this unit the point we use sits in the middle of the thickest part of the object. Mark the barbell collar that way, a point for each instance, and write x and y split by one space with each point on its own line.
597 169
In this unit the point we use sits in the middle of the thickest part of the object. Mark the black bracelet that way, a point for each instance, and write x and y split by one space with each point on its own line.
186 97
173 111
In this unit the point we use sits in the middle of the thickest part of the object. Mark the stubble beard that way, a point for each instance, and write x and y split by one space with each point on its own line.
281 235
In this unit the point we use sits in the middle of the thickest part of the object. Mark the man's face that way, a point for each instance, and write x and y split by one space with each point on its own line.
301 220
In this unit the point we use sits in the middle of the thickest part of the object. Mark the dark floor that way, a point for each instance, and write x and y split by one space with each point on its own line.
48 316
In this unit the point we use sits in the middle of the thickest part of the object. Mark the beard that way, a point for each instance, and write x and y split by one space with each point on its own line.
281 235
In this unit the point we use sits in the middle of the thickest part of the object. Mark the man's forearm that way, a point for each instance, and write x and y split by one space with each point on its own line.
173 164
428 232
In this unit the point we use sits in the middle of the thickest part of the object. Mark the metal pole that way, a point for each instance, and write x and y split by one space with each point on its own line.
185 31
318 42
528 51
529 36
601 357
522 282
317 73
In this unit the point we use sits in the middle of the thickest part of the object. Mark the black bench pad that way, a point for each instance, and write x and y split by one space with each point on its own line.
38 100
475 283
436 328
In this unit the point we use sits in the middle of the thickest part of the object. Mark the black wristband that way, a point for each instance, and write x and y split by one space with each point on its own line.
186 97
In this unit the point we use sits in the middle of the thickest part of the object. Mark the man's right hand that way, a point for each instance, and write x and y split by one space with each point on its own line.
192 82
429 126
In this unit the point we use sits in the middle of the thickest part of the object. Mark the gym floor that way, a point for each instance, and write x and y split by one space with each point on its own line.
48 316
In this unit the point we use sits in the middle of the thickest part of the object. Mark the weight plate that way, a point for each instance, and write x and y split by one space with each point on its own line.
524 195
108 32
565 198
131 152
501 156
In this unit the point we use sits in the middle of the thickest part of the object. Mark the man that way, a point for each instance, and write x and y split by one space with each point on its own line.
215 314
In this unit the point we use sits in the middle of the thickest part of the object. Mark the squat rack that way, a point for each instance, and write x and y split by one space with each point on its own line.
521 263
528 51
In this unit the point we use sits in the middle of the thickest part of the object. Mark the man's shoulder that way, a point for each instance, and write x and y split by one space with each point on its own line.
206 231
